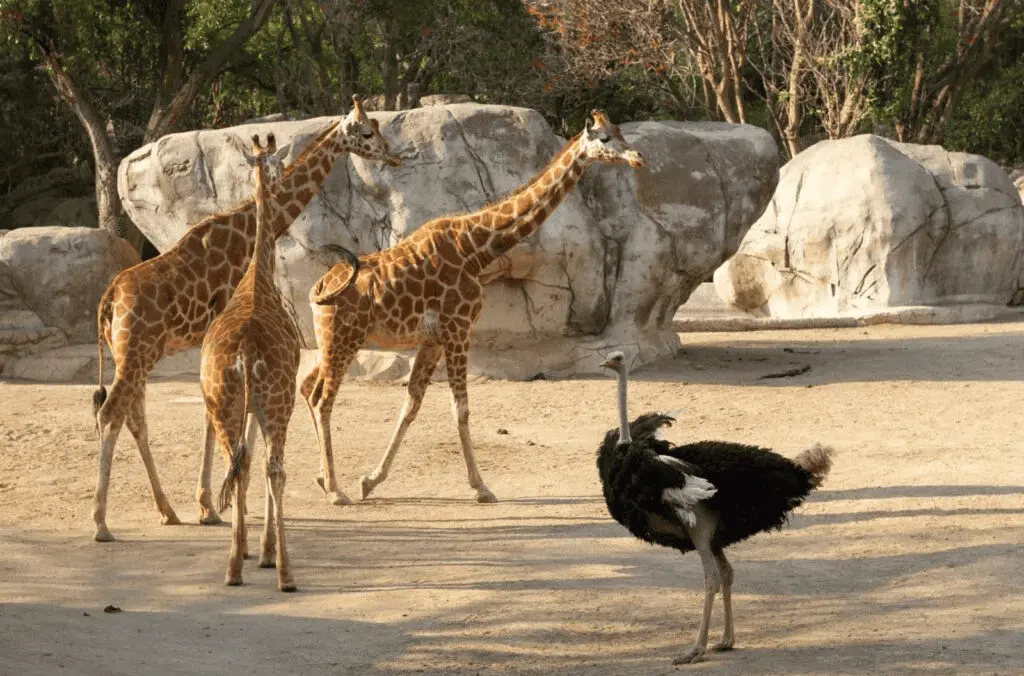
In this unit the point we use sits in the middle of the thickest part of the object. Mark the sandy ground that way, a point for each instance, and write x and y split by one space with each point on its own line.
908 560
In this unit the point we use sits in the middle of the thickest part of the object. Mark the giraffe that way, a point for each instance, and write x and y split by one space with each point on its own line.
165 304
249 364
426 292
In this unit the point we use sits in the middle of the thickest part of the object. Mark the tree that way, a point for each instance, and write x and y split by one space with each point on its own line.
67 38
923 55
839 80
674 43
715 33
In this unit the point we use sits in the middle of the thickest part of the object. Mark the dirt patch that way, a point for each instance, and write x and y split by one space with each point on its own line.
907 561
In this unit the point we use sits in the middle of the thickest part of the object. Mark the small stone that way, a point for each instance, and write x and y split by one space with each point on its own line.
112 609
530 443
502 430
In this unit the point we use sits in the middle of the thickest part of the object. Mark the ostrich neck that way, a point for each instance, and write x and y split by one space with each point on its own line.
624 437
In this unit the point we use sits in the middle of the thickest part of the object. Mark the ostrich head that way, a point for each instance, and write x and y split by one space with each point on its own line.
616 361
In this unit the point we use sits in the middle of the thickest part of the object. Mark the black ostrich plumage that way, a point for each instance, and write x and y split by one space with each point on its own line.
756 488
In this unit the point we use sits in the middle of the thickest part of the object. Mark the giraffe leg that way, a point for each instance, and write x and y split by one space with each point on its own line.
456 360
109 420
275 479
319 390
423 367
137 426
204 493
208 515
268 543
239 534
725 573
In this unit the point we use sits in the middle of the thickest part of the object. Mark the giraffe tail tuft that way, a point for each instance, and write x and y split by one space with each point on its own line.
98 399
234 475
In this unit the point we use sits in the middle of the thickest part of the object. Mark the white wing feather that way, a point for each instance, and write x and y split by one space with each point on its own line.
660 432
684 499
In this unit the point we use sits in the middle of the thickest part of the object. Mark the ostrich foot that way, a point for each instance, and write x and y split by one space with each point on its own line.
691 656
722 646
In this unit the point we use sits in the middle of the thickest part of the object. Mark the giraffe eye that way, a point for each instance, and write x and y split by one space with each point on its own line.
368 134
603 137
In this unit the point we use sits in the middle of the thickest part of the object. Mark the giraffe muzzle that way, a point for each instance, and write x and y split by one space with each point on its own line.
636 160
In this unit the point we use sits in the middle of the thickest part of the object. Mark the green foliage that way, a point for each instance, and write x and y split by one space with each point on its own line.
990 116
893 34
312 55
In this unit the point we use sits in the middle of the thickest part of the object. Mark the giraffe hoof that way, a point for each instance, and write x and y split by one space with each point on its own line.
287 587
233 581
339 498
485 496
170 519
103 535
210 518
268 561
367 486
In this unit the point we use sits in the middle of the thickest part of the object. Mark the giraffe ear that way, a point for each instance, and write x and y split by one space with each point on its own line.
271 143
375 125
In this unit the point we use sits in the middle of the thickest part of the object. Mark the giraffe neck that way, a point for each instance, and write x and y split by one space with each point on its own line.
303 181
262 264
491 232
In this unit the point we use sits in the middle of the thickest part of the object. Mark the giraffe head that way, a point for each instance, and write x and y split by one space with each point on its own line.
363 136
602 142
264 158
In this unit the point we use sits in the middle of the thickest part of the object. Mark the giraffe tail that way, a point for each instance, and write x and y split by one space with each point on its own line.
319 295
104 315
239 453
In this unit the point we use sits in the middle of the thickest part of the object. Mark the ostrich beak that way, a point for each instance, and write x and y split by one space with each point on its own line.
607 363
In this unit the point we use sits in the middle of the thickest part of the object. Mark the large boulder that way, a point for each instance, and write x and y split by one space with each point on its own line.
51 280
607 269
866 223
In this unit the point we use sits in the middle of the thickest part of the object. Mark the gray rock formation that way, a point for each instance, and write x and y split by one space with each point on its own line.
607 270
866 223
51 280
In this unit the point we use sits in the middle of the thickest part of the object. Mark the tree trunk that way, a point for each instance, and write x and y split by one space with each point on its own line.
111 214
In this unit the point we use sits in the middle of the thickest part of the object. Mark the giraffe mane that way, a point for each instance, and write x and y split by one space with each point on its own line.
540 172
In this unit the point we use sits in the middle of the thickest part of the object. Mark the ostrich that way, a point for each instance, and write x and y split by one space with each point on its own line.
704 496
